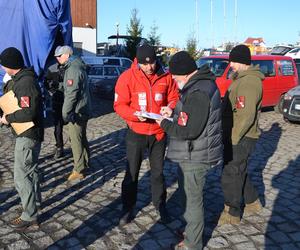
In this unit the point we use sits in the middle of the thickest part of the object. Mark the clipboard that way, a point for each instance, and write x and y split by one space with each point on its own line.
9 104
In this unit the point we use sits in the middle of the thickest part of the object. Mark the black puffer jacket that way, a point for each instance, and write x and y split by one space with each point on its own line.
28 93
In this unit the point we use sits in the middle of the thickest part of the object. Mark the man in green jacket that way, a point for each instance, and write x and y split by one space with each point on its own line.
76 107
241 108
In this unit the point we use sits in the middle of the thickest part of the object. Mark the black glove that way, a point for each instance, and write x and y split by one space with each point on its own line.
71 118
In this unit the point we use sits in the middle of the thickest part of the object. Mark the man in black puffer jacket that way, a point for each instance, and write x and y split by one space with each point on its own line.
28 144
195 139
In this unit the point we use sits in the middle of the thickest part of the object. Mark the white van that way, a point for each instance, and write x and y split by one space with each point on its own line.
107 60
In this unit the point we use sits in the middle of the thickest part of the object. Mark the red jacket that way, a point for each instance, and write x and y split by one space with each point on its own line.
134 91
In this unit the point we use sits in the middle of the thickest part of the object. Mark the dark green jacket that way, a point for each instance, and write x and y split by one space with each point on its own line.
27 90
77 100
242 104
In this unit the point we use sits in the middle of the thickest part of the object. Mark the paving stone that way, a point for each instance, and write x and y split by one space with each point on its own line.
9 238
227 229
248 229
4 230
149 244
217 243
246 245
279 237
44 242
57 235
237 238
258 239
20 244
69 243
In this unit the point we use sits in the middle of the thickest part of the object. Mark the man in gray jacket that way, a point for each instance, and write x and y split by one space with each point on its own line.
195 139
76 107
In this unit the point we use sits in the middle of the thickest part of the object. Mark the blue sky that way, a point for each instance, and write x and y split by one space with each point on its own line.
276 21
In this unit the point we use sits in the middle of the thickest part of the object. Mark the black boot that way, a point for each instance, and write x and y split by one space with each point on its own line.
126 216
59 152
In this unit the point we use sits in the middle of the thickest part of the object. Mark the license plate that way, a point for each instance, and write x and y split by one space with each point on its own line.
297 106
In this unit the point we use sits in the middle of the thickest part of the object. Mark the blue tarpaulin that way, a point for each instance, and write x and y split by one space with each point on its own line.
35 27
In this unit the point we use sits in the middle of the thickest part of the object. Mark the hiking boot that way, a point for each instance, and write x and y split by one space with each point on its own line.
20 224
252 208
127 217
227 218
164 215
75 176
20 210
59 152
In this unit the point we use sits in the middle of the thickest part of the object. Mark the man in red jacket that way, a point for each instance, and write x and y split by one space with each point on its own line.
144 87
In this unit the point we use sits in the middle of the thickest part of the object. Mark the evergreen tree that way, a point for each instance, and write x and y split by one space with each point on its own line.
191 47
135 31
153 37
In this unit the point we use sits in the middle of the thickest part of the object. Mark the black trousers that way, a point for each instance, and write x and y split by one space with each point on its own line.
235 181
136 144
58 127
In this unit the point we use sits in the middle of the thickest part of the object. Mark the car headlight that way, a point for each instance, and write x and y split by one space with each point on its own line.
287 97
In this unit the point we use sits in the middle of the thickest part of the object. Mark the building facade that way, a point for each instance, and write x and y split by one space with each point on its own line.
84 20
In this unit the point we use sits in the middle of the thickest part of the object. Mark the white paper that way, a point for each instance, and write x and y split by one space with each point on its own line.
150 115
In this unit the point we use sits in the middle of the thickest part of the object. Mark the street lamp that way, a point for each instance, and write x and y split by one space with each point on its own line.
117 25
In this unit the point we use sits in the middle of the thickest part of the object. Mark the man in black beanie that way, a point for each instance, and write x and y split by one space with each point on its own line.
195 139
241 108
145 87
28 144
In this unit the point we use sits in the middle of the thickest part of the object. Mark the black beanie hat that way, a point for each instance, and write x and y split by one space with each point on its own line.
182 64
240 54
12 58
145 54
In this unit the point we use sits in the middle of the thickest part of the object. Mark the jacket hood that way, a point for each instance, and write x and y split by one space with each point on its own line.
203 73
252 70
24 72
75 60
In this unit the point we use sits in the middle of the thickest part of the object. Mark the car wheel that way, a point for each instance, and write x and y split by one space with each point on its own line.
279 105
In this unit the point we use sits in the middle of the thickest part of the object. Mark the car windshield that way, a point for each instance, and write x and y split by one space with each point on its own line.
216 65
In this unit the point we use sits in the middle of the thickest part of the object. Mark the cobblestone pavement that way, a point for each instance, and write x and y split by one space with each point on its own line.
84 215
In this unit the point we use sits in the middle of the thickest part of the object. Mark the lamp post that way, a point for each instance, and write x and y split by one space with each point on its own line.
117 25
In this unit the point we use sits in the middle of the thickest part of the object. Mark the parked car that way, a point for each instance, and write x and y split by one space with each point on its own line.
104 88
107 60
100 72
280 75
291 105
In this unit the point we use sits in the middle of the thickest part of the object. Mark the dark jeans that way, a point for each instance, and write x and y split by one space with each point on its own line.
136 144
191 180
58 127
236 183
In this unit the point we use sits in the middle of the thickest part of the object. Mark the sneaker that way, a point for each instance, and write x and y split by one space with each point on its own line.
164 215
181 246
252 208
75 176
59 152
18 223
127 217
227 218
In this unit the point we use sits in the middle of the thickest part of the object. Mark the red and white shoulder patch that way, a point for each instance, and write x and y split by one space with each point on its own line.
183 119
70 82
25 102
240 102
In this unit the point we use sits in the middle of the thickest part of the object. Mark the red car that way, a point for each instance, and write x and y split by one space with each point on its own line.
280 75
